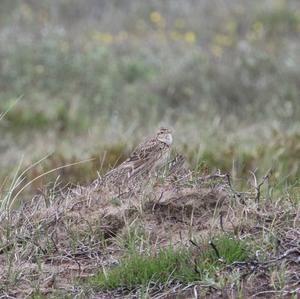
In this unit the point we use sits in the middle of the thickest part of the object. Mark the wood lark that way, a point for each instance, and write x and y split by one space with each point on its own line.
150 155
144 161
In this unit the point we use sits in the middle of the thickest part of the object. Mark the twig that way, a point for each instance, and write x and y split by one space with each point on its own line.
221 222
283 292
265 293
285 254
213 176
257 185
158 201
215 249
194 243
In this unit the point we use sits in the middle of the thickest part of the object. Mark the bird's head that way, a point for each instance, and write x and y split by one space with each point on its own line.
165 135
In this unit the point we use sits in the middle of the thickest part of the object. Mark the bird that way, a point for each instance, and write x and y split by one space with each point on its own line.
145 160
151 154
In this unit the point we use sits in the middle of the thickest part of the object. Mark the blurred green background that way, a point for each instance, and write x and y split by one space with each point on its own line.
88 79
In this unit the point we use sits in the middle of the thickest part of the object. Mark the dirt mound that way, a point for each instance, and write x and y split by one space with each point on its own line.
55 240
47 244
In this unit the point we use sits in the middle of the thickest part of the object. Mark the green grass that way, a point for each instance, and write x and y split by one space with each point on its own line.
230 249
171 264
142 270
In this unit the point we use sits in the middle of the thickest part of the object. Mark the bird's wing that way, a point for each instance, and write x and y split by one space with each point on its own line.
144 151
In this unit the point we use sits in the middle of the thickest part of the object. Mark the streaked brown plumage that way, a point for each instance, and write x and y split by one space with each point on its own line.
147 158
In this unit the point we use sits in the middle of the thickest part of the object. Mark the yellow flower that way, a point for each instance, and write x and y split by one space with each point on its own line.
107 38
103 37
258 27
223 40
217 51
155 17
190 37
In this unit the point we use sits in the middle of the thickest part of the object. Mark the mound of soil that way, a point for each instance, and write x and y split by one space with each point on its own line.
46 245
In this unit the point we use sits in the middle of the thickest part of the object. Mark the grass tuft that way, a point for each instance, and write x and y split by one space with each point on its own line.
169 265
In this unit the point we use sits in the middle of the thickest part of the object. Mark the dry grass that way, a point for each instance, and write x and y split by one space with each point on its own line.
223 74
52 245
